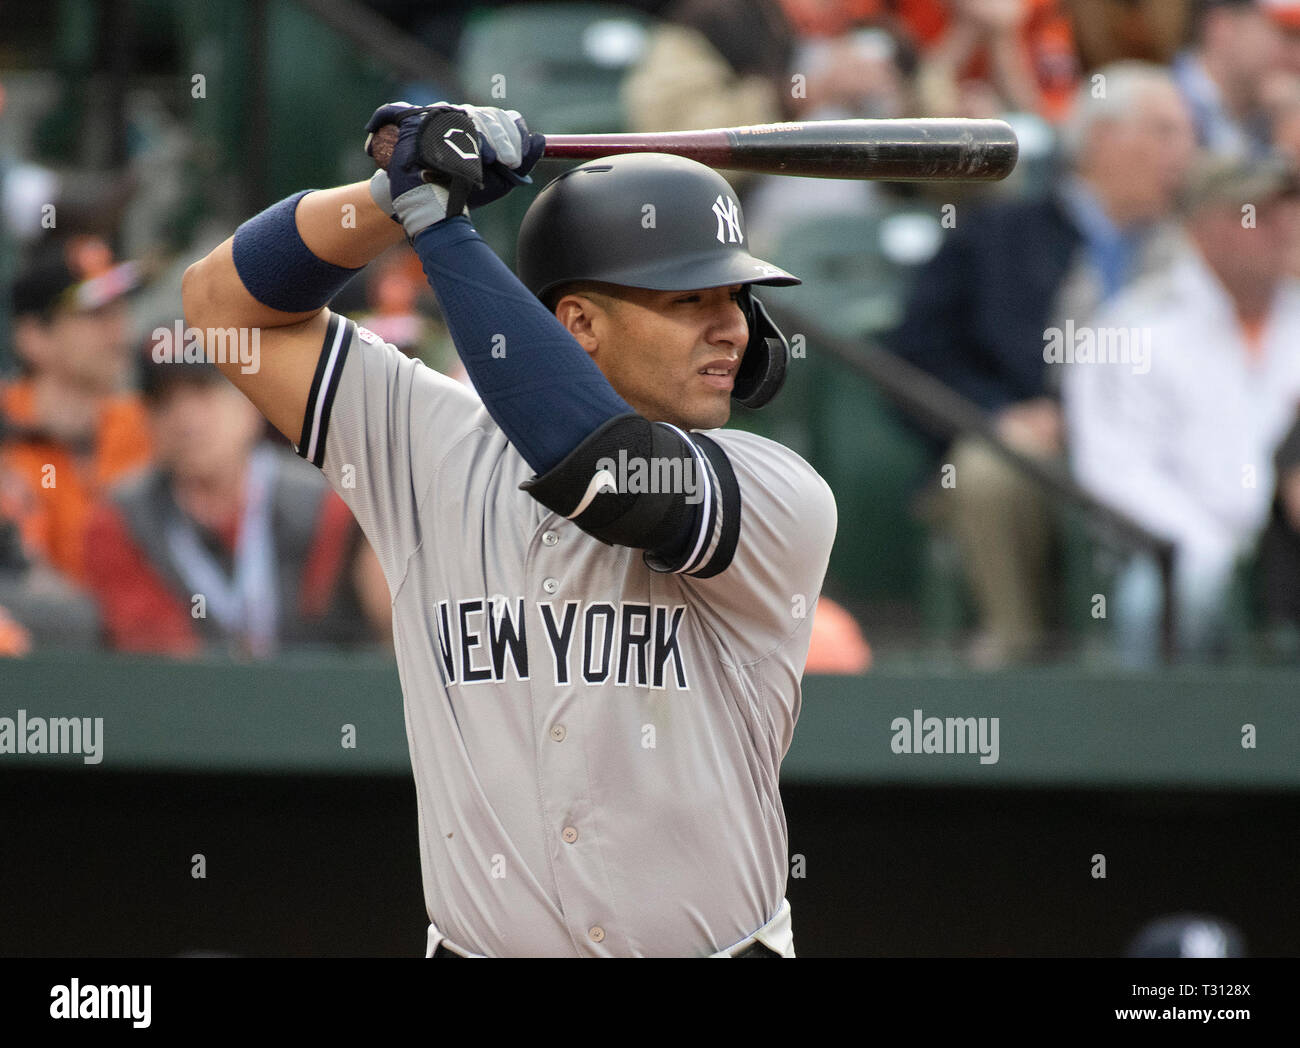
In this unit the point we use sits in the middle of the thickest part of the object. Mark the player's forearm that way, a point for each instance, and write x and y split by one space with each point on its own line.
537 383
342 227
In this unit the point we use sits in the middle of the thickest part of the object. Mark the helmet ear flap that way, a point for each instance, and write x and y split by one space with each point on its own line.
762 369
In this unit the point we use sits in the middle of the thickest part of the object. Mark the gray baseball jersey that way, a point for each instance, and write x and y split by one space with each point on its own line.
595 743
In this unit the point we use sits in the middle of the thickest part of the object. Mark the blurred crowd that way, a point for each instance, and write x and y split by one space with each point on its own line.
142 505
1127 316
1125 309
1135 322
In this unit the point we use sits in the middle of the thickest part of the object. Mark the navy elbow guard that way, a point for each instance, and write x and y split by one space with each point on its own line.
645 485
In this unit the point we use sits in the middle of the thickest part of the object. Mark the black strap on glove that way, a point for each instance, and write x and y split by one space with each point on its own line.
447 150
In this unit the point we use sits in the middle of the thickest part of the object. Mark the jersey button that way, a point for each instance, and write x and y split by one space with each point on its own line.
550 585
597 933
550 538
570 834
558 733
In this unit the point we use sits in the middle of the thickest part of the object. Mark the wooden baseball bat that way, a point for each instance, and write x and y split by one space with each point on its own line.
920 150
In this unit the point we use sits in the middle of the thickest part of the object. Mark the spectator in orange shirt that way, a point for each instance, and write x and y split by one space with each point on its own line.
68 425
39 609
229 543
982 58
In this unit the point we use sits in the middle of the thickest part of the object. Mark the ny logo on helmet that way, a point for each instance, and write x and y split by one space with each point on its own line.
728 211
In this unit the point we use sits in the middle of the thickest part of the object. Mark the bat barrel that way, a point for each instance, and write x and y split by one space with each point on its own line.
921 150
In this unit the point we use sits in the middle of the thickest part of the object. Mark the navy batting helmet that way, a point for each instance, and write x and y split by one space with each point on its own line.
660 222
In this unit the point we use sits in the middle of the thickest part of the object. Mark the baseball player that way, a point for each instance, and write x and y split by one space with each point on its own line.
602 601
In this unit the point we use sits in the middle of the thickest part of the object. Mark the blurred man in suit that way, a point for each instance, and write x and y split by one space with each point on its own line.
980 312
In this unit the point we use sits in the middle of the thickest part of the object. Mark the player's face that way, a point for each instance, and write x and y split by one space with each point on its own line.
672 355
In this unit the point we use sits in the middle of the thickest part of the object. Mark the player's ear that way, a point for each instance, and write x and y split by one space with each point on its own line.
580 316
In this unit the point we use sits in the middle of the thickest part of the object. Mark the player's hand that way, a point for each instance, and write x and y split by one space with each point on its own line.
433 165
435 144
478 153
509 151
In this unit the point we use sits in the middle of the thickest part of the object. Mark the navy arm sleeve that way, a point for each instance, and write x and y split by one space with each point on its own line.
538 384
567 422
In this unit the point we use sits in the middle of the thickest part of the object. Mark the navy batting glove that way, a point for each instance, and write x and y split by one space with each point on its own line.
507 167
507 148
435 163
437 143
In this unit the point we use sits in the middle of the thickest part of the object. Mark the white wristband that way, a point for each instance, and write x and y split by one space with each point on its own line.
381 194
421 207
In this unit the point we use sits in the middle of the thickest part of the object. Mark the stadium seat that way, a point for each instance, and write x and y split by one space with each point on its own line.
856 267
559 64
1081 569
844 425
1248 636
